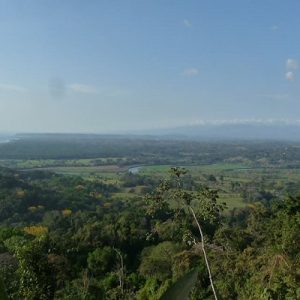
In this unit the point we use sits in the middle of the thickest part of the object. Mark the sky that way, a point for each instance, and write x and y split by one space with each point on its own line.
115 66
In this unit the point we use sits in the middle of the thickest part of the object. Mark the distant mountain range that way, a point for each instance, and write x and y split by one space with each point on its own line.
206 131
254 131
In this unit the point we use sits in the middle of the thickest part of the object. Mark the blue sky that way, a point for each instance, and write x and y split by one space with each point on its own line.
106 66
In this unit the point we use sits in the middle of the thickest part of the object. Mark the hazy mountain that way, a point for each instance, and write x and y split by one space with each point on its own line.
248 131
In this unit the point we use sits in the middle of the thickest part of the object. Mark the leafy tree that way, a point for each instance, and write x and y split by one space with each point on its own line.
36 276
157 261
101 260
171 201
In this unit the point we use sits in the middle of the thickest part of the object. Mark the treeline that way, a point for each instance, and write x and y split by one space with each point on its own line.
144 150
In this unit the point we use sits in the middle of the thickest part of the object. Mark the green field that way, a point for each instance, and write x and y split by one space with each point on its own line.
53 163
220 176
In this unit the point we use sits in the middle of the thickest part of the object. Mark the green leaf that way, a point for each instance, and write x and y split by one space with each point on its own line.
3 295
181 289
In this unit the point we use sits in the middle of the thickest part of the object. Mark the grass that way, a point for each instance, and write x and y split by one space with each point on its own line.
164 169
232 200
102 171
155 170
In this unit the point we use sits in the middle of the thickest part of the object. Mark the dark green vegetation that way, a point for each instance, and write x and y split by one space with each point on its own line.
105 233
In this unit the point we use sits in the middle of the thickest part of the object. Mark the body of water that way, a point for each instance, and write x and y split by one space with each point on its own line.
134 170
6 138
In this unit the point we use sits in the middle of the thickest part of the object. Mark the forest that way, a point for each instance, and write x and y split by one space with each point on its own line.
118 217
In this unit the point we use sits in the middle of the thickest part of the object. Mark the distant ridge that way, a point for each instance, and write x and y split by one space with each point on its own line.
217 131
254 131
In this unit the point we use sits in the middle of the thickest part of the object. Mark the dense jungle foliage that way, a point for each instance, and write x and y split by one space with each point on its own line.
62 238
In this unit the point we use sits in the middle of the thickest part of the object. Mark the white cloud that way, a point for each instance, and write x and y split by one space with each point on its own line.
12 88
274 27
275 96
289 76
252 121
190 72
187 23
292 64
82 88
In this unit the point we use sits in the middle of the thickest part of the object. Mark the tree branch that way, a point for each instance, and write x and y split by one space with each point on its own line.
204 252
121 275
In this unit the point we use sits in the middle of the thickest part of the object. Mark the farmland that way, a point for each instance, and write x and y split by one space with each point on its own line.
237 171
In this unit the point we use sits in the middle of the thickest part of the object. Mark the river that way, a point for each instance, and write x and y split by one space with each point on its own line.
5 138
134 170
